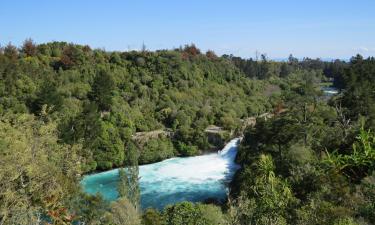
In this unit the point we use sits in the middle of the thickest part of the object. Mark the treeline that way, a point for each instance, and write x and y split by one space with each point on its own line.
313 163
264 68
68 109
101 99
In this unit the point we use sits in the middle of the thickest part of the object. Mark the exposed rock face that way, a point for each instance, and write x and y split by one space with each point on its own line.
142 137
214 129
217 136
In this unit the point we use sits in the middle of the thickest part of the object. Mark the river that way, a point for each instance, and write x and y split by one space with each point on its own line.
174 180
329 91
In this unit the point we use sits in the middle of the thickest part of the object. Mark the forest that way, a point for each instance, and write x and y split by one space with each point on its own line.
67 110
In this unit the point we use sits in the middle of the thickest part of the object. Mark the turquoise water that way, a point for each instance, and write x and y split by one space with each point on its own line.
174 180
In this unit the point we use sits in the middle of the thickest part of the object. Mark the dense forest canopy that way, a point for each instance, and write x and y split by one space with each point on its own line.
102 98
313 162
67 110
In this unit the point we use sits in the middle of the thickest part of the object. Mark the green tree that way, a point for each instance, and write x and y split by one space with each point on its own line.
37 175
102 89
361 161
122 212
108 148
187 213
152 217
265 199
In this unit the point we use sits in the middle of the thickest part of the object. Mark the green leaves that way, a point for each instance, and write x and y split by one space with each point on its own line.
156 150
37 175
187 213
128 185
186 150
102 89
107 146
265 198
361 160
100 99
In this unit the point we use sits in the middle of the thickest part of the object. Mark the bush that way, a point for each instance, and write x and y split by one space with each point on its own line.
156 150
186 150
122 212
152 217
187 213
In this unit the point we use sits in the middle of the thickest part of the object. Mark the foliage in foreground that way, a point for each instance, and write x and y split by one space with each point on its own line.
321 154
67 109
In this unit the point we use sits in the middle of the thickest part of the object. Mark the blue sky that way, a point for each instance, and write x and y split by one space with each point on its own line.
314 28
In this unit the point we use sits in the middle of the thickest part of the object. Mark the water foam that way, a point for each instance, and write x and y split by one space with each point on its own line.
330 91
173 180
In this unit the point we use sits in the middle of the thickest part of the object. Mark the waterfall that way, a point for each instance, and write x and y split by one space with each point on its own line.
173 180
230 149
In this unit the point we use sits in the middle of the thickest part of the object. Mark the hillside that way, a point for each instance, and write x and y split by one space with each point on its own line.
101 99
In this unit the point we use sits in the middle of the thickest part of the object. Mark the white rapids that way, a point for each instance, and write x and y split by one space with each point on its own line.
174 180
